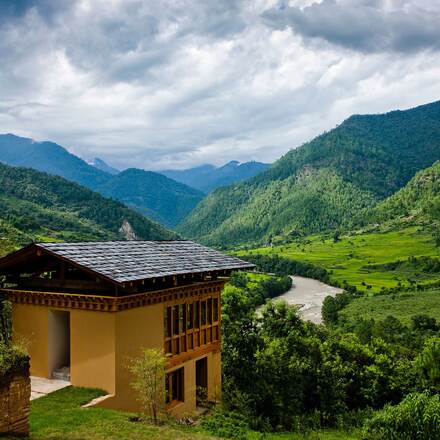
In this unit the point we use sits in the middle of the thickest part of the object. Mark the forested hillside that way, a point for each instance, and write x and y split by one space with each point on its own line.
152 194
206 178
325 183
418 200
38 206
141 190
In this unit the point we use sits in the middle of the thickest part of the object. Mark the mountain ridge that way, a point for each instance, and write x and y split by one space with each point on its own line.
39 206
54 159
367 158
208 177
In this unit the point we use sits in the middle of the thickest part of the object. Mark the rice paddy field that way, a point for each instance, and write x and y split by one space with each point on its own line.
350 258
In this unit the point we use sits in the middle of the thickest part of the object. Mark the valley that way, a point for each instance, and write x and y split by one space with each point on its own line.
41 207
352 218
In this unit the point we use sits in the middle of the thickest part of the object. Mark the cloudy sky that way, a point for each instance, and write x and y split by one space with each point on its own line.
176 83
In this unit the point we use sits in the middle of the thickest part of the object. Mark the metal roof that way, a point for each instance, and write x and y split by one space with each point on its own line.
124 261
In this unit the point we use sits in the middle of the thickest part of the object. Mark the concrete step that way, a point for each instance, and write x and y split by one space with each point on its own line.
62 373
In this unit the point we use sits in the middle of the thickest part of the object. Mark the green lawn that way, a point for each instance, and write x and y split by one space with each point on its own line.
402 306
59 416
347 258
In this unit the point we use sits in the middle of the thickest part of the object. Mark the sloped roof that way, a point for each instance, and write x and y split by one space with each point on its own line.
124 261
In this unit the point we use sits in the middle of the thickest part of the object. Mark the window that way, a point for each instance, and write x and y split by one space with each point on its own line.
174 384
215 307
175 320
190 316
197 314
210 311
203 313
167 322
187 326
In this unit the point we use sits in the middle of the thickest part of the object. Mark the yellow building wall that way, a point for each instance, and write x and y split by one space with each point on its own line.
30 326
215 377
143 327
137 328
93 349
214 383
101 345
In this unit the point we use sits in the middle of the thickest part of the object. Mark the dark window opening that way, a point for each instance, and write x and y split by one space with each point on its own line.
175 386
203 313
215 307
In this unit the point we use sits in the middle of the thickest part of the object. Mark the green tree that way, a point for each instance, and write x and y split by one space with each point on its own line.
148 371
428 365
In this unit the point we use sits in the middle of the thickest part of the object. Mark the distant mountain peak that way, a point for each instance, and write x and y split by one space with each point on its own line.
103 166
231 164
207 178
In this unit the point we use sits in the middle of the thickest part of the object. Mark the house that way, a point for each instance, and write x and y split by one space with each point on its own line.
84 309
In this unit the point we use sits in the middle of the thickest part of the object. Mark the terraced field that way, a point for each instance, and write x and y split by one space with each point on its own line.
350 257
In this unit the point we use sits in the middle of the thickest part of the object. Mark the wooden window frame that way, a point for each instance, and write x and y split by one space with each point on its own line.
175 386
200 332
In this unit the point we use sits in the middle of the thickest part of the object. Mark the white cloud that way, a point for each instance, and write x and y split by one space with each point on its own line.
178 83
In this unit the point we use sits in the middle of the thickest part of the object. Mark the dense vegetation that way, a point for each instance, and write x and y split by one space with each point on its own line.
150 193
206 178
419 201
281 373
326 183
35 205
285 266
415 418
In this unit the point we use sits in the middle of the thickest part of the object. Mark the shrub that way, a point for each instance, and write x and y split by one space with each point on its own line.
229 424
428 365
12 362
417 417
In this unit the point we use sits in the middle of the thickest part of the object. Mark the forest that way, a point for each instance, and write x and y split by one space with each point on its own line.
378 379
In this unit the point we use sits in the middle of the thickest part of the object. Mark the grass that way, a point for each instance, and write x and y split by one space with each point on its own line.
402 306
347 258
59 416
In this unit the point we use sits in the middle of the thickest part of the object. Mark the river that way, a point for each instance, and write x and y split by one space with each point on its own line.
309 295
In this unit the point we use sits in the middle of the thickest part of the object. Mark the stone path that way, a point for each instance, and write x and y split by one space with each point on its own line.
41 386
308 294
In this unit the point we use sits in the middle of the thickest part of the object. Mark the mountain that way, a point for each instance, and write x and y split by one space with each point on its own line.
326 183
418 200
50 158
103 166
153 195
39 206
142 188
206 178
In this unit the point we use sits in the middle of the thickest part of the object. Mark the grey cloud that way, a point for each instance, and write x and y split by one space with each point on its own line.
366 25
160 84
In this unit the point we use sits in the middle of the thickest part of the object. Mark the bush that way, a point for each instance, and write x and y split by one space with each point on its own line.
229 425
428 365
12 362
5 321
417 417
